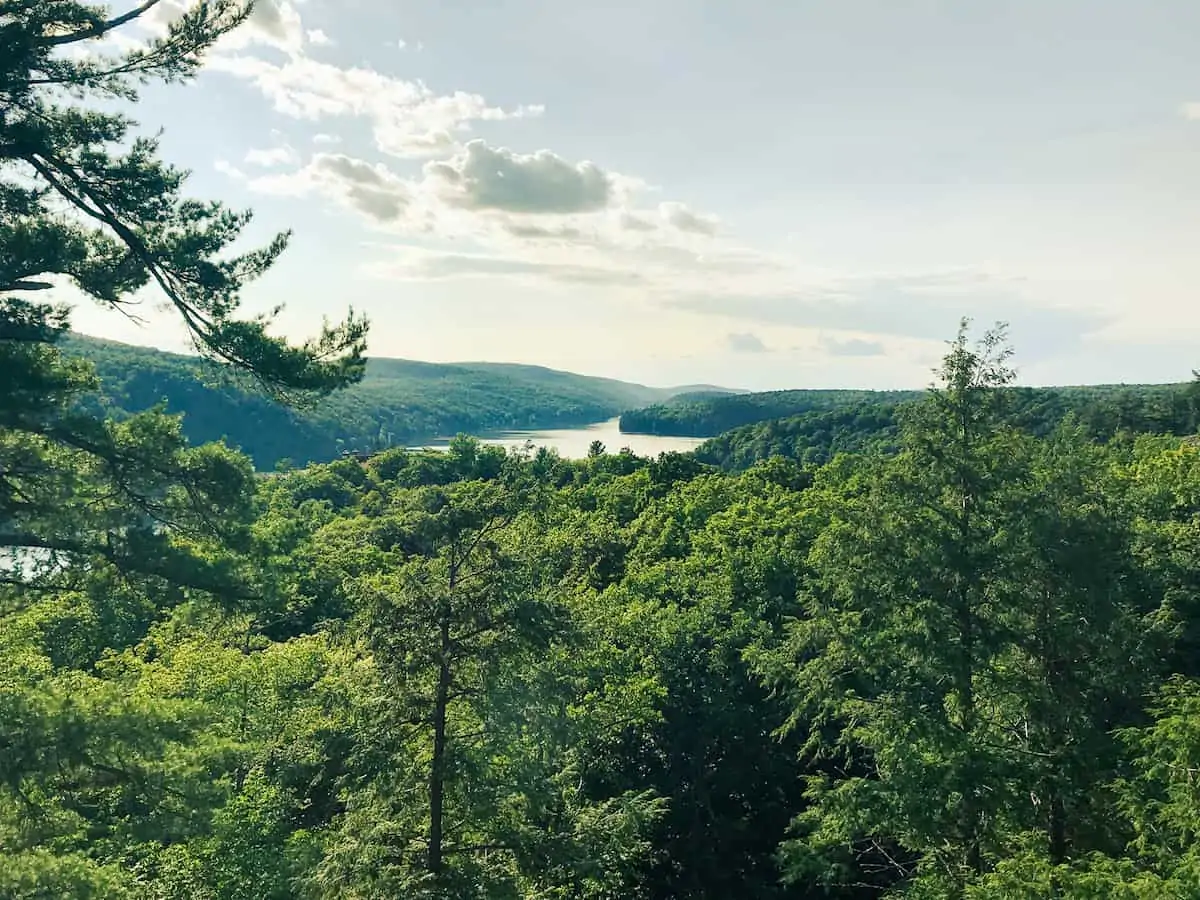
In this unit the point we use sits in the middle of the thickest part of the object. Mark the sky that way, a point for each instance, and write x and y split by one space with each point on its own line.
760 194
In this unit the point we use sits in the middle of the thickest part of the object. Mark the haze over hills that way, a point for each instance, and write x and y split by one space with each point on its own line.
399 401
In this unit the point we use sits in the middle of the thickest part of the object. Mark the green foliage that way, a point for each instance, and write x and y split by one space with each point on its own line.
953 703
398 403
856 426
706 415
82 200
132 495
813 438
949 654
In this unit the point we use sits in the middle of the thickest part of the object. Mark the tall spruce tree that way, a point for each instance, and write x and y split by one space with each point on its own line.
891 662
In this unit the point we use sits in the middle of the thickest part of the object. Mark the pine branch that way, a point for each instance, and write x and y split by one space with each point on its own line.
85 200
100 28
25 286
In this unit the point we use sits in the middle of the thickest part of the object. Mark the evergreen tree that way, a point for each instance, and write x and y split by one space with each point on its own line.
80 200
468 781
892 661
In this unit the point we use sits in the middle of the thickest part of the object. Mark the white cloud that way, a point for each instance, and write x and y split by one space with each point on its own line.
274 23
319 38
574 250
225 167
533 216
631 221
745 342
414 264
925 306
368 189
852 347
279 21
672 215
1191 110
680 216
483 177
401 43
520 228
275 156
408 119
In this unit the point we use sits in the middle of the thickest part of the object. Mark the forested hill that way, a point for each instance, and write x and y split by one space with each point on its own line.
398 402
707 414
872 422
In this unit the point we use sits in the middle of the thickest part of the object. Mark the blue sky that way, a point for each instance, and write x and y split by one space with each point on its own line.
761 194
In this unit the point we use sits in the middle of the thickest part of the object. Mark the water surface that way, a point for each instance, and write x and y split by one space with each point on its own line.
573 443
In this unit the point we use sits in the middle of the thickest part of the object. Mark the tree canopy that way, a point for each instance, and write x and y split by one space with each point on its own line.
953 655
959 666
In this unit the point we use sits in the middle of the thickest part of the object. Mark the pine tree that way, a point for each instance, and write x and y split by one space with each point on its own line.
83 202
80 200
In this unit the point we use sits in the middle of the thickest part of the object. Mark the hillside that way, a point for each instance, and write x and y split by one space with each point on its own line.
814 437
706 414
399 401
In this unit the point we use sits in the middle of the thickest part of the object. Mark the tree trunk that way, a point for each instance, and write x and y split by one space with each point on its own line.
1058 827
437 769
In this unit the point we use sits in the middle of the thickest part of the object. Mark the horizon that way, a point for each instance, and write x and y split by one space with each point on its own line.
733 389
671 194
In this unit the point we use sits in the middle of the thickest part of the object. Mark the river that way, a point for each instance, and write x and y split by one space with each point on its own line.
573 443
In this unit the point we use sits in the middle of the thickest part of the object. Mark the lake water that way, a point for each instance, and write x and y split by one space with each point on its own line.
573 443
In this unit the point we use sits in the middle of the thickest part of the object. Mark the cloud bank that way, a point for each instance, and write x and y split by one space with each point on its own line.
536 217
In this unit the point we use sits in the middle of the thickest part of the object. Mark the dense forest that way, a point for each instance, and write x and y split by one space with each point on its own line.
956 660
402 403
1102 412
710 414
963 666
1106 409
397 403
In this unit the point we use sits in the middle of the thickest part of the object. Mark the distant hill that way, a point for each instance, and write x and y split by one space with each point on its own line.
872 422
705 390
399 401
707 414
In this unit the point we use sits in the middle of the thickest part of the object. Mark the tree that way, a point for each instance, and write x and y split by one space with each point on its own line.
468 782
1089 641
76 488
80 201
976 625
711 568
106 527
890 665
